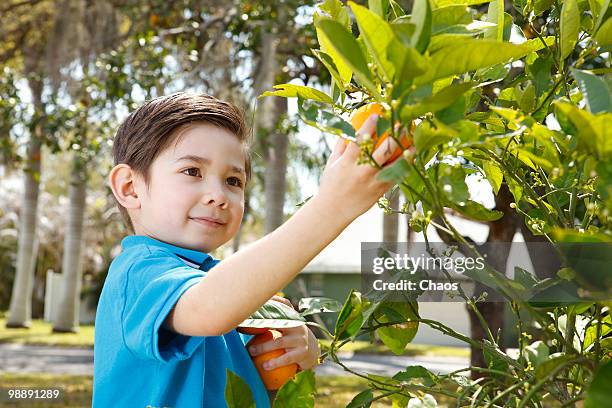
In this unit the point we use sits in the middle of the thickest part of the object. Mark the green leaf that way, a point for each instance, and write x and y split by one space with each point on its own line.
407 174
426 137
495 15
421 18
329 64
326 45
460 55
397 336
604 34
274 315
590 334
350 318
349 51
525 278
536 353
594 132
237 392
590 260
515 189
554 361
443 99
494 360
298 392
377 34
445 3
446 17
380 7
313 305
407 61
601 13
570 27
599 393
476 211
312 114
453 113
539 71
426 377
531 159
451 181
525 96
594 90
362 400
540 6
337 11
304 92
493 174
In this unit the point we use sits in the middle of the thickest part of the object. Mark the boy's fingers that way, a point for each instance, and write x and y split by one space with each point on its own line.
281 343
282 300
368 127
337 151
385 151
290 357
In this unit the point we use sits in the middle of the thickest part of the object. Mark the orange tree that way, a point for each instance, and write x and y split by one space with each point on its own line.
517 93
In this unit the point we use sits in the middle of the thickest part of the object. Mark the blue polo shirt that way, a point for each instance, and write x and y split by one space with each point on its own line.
139 363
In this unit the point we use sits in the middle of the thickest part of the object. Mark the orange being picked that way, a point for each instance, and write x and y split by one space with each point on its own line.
272 379
359 117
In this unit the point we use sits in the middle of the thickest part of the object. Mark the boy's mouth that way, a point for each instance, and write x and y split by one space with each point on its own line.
208 221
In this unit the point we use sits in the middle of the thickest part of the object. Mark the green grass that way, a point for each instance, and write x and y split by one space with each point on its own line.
76 389
334 391
40 333
358 346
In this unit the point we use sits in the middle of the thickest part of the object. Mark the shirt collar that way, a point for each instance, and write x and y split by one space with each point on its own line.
193 258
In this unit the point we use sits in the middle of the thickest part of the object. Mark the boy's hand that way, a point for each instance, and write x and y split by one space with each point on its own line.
350 189
300 344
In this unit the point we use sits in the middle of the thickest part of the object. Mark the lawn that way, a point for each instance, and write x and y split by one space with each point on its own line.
331 391
76 389
41 334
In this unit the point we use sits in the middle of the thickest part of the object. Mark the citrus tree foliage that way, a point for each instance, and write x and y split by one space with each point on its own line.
517 93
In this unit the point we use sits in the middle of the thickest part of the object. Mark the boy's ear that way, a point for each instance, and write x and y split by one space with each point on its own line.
121 180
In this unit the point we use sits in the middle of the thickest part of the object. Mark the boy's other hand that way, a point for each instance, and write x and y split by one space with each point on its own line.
350 189
300 344
282 300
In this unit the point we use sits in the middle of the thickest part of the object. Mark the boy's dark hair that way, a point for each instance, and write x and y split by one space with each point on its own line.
152 127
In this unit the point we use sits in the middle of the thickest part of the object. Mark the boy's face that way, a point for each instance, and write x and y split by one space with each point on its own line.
195 197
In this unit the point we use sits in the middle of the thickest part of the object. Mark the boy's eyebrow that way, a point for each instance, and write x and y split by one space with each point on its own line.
204 160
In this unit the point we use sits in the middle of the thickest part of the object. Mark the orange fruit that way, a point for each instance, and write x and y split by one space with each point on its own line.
359 117
272 379
252 330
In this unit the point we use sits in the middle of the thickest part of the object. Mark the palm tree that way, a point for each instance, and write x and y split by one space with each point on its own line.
20 310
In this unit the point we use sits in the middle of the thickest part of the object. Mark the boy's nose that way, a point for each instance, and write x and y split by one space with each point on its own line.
215 195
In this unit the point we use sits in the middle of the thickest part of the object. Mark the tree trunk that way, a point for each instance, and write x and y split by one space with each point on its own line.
273 143
275 173
264 79
66 318
501 231
20 311
391 223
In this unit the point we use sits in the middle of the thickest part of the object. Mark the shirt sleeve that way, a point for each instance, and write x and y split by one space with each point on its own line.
154 284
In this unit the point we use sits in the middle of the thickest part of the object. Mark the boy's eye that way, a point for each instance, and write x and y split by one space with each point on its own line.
234 181
192 171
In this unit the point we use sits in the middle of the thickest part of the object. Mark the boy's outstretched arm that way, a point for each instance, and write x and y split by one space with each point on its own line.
240 284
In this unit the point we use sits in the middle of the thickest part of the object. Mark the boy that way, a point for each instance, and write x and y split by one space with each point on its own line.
166 317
